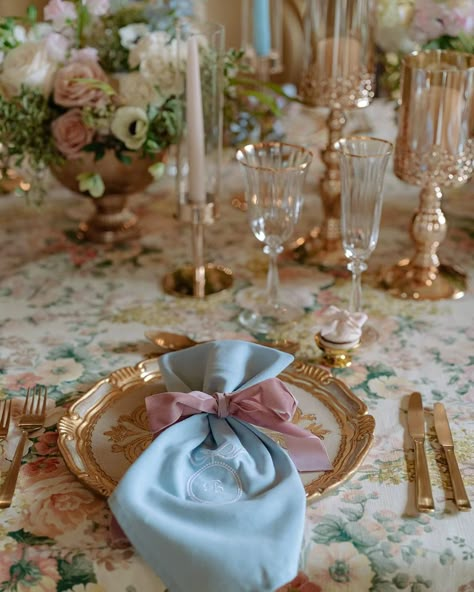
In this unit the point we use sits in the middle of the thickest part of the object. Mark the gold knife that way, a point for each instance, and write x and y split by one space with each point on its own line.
416 428
445 438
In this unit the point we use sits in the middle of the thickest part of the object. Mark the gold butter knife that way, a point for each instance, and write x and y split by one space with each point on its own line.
416 428
445 438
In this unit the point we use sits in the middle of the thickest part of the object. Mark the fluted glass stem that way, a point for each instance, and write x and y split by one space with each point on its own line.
356 267
273 281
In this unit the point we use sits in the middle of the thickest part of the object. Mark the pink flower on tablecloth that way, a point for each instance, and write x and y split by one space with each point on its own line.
300 584
59 503
468 587
339 567
71 134
47 443
29 570
39 468
70 88
21 381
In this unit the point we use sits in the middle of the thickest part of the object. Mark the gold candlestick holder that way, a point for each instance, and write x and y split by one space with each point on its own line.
434 149
199 279
339 73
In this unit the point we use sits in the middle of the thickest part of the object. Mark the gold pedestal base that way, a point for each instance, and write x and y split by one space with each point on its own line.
314 250
181 281
404 280
110 227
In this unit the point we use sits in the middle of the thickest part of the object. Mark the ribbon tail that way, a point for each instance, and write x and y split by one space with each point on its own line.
308 454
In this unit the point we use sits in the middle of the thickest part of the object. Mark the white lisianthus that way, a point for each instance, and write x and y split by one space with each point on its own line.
19 33
130 34
137 91
130 125
29 64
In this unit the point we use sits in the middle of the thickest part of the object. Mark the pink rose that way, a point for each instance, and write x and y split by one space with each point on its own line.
97 7
59 12
71 133
70 91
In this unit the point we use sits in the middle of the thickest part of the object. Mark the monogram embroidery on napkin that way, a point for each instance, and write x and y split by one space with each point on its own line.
216 482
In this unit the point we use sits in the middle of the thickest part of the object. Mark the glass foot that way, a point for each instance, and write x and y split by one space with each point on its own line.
266 322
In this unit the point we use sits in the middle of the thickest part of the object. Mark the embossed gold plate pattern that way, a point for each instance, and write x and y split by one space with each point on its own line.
105 430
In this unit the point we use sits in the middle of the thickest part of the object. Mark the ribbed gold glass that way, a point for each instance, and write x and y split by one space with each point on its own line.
434 149
338 73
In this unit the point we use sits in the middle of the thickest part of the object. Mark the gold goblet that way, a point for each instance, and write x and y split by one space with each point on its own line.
434 149
339 73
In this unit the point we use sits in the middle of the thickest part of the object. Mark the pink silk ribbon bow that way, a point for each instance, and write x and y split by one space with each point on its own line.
268 404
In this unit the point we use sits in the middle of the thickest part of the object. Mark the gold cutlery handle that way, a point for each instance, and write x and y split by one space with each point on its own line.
459 491
8 488
424 495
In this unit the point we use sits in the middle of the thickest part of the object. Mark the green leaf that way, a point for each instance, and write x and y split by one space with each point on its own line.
91 183
353 514
97 84
123 157
157 170
26 538
32 14
77 571
331 529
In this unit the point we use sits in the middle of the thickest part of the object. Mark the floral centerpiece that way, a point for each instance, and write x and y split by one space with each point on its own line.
406 25
87 81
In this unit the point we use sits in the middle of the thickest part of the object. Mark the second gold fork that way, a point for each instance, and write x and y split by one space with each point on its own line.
31 419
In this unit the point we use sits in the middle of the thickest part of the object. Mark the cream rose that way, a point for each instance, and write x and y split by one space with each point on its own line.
137 91
70 91
71 133
28 64
130 125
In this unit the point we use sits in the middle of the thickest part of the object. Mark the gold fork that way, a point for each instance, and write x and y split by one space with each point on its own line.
5 412
31 419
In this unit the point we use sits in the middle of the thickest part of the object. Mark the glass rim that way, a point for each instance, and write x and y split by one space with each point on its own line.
410 59
258 145
340 149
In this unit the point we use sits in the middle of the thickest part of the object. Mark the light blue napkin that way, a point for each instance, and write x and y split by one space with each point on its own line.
213 505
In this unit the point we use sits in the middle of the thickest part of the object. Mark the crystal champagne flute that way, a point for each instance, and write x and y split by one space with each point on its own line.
274 174
363 162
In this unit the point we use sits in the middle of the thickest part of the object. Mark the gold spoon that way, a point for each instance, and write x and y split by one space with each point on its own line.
169 342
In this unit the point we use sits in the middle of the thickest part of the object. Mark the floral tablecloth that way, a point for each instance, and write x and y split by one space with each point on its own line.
72 312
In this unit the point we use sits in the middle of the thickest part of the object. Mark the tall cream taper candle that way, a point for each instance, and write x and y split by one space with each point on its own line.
195 125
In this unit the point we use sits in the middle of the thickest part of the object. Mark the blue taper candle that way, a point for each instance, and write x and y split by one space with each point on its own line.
261 27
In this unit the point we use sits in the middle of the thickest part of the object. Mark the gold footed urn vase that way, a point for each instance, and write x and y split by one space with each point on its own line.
112 221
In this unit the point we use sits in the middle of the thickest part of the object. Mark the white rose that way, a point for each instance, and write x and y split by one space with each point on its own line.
30 65
137 91
130 34
130 125
149 44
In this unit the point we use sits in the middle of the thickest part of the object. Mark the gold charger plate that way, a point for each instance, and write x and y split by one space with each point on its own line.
105 430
